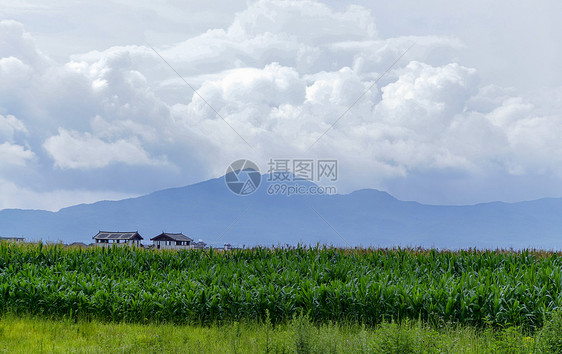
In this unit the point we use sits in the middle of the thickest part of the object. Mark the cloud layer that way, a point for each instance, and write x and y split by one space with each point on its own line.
280 75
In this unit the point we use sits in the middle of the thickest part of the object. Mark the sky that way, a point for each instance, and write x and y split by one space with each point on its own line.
91 106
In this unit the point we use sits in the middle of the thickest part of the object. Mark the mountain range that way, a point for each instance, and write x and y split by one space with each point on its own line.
210 212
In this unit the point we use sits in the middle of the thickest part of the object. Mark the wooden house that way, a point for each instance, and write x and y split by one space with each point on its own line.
12 239
168 240
199 245
108 238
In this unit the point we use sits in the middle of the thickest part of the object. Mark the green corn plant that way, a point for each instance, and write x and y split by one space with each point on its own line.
476 287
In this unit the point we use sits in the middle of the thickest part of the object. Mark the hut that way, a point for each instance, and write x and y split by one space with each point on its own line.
168 240
108 238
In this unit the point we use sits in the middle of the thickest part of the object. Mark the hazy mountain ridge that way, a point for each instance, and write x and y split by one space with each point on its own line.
367 217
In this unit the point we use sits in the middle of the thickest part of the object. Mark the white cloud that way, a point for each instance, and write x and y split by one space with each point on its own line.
11 154
14 155
9 125
83 151
295 19
16 43
280 73
122 129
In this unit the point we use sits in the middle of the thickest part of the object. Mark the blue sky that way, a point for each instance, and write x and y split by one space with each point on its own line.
472 113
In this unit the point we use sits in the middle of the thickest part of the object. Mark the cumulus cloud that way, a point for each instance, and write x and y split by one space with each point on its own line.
15 42
10 125
280 75
276 31
14 155
71 149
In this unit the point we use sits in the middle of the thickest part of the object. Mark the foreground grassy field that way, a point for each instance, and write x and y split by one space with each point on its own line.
477 288
307 300
299 335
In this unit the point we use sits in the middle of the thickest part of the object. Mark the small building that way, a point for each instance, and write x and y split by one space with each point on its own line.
199 245
11 239
108 238
168 240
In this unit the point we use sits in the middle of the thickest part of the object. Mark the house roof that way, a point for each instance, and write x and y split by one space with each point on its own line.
167 236
108 235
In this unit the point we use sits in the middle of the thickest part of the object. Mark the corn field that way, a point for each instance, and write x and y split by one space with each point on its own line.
206 286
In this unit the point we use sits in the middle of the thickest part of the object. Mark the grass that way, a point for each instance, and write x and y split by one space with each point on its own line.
32 334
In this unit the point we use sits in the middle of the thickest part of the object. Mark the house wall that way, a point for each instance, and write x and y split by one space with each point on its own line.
120 244
170 245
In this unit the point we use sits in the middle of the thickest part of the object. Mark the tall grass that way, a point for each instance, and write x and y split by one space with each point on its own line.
299 335
365 286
